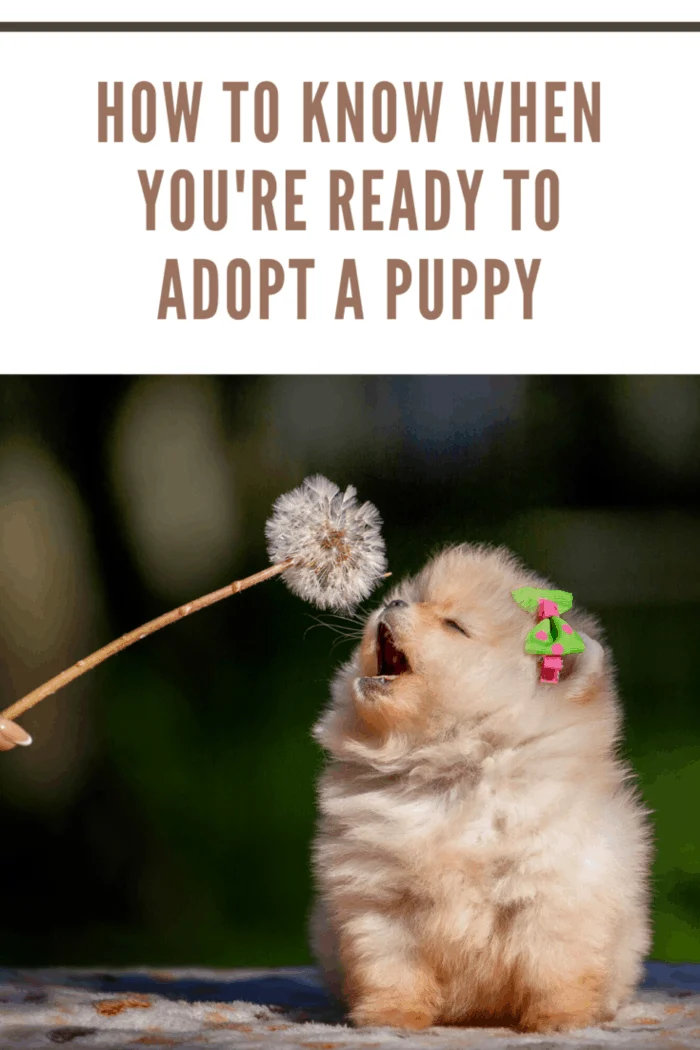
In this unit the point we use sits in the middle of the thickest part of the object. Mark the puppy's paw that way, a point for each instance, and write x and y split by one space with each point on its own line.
558 1006
411 1016
546 1021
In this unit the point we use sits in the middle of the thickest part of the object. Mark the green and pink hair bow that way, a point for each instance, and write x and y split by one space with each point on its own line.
551 638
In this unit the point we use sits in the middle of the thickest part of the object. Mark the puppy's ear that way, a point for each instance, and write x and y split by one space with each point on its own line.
584 673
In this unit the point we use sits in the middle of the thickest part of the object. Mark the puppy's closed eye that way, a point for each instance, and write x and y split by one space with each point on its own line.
453 625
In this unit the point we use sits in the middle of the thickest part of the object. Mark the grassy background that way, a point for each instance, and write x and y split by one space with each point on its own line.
164 813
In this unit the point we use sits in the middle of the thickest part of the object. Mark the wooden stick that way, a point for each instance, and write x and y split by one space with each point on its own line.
71 673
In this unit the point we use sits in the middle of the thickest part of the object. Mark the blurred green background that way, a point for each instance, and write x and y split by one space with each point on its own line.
164 813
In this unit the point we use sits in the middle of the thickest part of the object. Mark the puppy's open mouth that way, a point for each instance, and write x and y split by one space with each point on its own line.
391 662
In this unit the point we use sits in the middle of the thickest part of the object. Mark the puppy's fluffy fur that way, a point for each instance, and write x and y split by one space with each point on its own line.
481 857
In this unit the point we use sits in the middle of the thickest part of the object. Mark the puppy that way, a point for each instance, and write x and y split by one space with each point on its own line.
481 857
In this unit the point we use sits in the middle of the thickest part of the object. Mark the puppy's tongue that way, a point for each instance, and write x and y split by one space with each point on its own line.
390 660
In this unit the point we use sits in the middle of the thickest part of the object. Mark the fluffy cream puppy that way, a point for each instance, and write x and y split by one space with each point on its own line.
481 857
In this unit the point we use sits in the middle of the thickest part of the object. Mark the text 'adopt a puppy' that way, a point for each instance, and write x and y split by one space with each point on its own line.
334 191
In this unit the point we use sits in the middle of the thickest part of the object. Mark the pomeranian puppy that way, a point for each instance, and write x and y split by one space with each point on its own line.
481 857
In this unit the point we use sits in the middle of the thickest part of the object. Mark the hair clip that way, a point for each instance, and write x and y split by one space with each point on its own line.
551 638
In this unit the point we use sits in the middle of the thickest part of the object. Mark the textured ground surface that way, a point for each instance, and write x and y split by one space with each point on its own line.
286 1008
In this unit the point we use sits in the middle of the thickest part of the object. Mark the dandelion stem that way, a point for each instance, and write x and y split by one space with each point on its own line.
87 664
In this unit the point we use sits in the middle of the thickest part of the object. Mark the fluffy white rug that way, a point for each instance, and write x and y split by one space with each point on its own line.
287 1008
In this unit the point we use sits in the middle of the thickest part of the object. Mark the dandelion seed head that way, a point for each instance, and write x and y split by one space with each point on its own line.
335 541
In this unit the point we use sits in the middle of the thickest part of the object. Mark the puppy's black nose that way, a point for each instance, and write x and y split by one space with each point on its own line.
397 603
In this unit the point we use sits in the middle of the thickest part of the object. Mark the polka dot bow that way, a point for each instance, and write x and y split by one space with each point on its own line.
551 638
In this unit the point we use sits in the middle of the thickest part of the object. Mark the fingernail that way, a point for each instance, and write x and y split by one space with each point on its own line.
12 734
